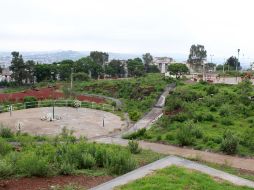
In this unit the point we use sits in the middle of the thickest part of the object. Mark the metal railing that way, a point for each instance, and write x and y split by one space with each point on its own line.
56 103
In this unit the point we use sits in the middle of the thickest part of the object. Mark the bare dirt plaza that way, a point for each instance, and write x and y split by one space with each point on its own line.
83 121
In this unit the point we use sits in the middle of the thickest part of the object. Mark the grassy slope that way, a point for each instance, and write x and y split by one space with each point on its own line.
177 178
166 131
138 94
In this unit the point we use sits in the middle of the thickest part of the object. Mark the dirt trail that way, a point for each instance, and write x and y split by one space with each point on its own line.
236 162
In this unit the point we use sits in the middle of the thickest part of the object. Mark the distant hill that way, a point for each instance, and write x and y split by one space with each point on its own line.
48 57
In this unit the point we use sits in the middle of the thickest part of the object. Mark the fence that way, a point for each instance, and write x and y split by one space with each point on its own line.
56 103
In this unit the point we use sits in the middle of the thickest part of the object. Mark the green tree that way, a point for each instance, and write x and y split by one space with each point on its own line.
135 67
153 69
64 69
178 69
42 72
115 68
148 58
232 62
30 69
18 68
197 54
99 57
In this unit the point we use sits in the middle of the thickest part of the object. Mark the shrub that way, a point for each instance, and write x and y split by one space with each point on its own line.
229 143
170 137
224 110
67 168
134 115
88 161
196 132
212 90
213 109
158 138
139 133
184 135
209 117
227 122
5 147
32 165
30 101
119 163
173 103
180 117
81 76
134 147
5 132
5 169
248 139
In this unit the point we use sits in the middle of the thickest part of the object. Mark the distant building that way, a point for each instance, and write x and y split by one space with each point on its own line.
5 75
252 66
162 63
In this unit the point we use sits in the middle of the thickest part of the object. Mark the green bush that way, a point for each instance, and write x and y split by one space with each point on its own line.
229 143
224 110
81 76
88 161
226 121
180 117
185 136
30 101
197 132
119 163
5 132
212 90
66 168
248 139
32 165
5 147
173 103
134 147
135 135
6 169
134 115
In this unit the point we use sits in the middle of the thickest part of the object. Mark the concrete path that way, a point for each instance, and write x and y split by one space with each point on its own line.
168 161
236 162
155 113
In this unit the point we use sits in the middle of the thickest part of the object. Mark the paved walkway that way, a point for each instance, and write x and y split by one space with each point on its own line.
168 161
236 162
155 113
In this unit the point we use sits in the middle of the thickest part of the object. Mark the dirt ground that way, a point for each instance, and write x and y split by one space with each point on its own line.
36 183
83 121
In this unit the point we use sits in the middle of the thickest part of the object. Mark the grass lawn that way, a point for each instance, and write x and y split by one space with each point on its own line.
212 117
177 178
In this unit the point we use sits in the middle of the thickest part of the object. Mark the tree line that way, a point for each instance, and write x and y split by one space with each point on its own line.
96 65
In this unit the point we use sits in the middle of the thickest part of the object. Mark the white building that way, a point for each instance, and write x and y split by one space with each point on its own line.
5 75
162 63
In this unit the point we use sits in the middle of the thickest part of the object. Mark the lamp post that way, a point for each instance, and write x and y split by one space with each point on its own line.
236 65
211 58
53 111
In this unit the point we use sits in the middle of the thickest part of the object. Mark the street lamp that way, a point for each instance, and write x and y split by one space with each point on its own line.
238 51
211 58
53 111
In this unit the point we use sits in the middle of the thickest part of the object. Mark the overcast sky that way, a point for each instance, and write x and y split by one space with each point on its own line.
129 26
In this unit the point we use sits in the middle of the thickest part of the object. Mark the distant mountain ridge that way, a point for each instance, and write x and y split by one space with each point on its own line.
48 57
